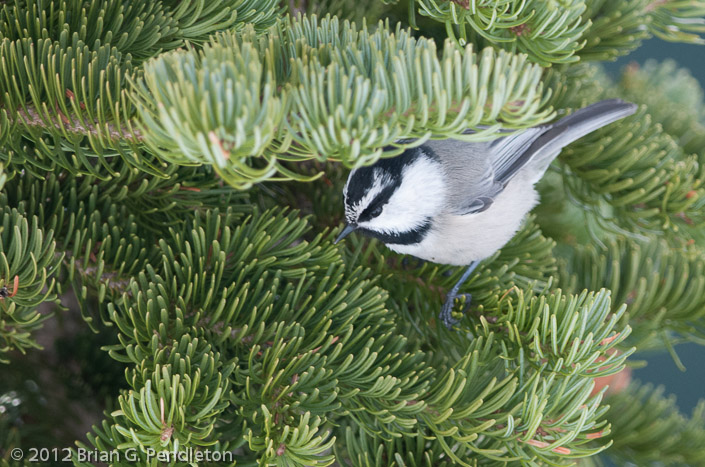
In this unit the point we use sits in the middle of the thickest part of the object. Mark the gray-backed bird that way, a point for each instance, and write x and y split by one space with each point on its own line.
454 202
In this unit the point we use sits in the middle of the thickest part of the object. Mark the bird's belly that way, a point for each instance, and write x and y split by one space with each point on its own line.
462 239
450 248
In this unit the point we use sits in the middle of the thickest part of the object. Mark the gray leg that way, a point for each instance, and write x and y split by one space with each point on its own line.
447 308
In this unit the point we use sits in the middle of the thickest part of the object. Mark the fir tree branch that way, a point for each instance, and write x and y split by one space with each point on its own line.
379 89
677 21
30 117
42 91
317 336
140 29
28 266
642 174
648 428
679 106
549 32
97 231
662 287
617 28
564 32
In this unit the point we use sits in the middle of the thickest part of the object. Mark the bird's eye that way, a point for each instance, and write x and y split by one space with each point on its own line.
376 211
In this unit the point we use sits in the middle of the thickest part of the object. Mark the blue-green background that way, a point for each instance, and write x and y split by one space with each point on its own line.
688 386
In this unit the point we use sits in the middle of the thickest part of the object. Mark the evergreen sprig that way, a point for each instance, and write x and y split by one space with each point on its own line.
61 92
325 91
641 173
64 68
106 242
284 364
550 32
177 398
663 287
679 101
140 29
677 21
559 31
647 428
617 28
28 266
314 372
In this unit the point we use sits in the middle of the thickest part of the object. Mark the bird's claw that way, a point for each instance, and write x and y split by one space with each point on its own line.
446 315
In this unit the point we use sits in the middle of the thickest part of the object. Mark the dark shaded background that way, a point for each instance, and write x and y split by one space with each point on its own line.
688 386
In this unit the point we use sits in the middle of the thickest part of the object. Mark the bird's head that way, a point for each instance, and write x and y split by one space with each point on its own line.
395 199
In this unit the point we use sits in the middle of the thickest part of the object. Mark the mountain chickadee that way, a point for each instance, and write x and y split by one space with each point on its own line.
454 202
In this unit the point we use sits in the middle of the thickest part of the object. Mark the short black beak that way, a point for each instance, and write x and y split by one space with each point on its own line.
346 231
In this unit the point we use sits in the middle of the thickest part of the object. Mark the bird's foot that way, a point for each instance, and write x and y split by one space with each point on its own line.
446 315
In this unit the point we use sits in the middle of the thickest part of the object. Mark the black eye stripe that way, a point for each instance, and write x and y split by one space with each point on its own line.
379 201
370 212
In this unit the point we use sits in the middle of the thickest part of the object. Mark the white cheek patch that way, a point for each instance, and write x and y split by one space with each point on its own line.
420 196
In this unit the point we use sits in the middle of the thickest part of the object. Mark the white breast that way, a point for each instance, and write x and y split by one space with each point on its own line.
460 240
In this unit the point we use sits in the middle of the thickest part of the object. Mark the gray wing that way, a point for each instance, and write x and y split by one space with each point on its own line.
478 172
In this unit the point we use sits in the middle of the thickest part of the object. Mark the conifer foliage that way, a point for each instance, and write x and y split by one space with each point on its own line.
177 167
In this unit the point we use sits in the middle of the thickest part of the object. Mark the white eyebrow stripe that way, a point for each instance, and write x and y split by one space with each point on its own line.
379 180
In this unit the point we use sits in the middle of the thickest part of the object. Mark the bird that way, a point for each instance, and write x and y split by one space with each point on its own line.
456 202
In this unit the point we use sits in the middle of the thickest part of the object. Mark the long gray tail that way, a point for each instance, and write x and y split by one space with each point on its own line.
568 129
